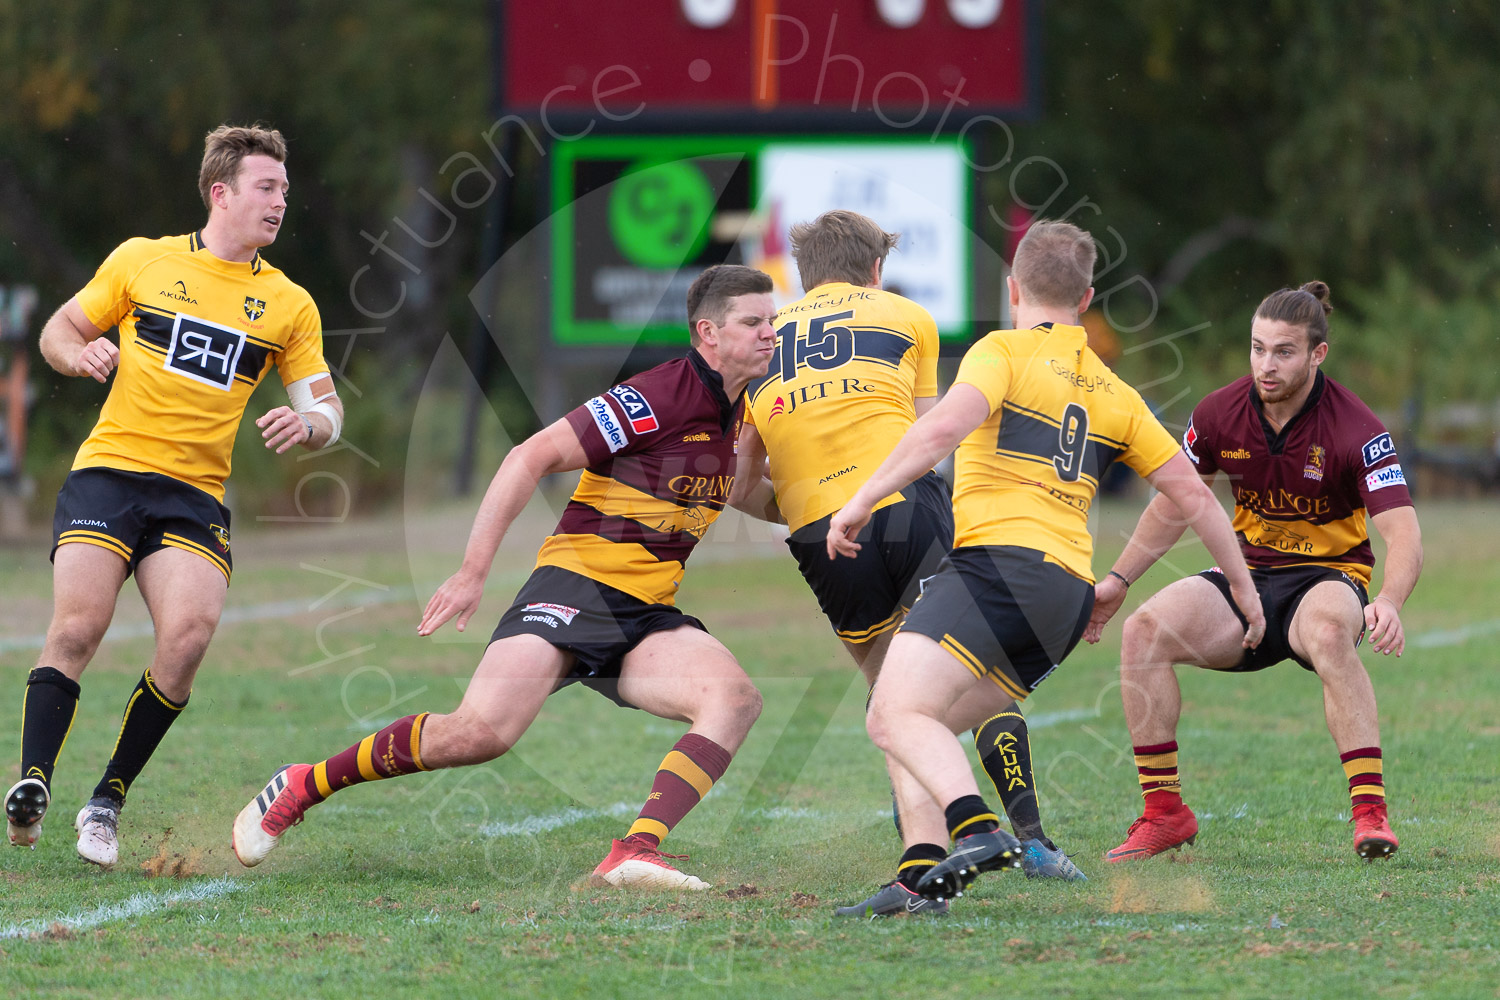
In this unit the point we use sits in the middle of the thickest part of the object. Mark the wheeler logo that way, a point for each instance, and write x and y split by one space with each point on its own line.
1377 448
1391 475
609 427
637 410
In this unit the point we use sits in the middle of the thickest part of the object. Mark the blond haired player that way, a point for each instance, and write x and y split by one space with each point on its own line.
202 319
1036 418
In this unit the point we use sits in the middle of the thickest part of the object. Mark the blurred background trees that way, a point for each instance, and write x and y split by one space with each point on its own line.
1218 151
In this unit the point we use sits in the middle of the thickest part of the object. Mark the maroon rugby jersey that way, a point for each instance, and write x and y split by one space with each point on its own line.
661 461
1301 495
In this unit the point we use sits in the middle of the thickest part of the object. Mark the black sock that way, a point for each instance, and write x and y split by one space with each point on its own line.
47 711
148 716
968 814
915 861
1005 751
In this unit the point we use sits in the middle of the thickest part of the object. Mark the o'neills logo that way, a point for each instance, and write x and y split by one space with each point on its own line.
1237 453
560 610
702 436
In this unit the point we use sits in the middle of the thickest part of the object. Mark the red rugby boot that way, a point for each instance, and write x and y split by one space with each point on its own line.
1156 832
1372 832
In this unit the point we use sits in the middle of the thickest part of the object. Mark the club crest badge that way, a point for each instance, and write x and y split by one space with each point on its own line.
1314 467
254 308
222 534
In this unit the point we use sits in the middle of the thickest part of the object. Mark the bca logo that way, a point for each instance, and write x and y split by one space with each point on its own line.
254 308
637 410
1377 448
204 351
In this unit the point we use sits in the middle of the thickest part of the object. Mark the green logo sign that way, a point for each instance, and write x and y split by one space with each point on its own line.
659 215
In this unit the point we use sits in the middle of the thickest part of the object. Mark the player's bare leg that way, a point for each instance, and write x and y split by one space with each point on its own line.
513 680
185 594
922 688
688 676
1324 628
1186 622
921 817
86 580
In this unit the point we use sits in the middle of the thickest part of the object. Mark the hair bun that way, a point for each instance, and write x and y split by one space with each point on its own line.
1319 291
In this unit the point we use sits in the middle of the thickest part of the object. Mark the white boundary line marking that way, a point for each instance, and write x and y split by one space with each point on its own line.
137 905
231 616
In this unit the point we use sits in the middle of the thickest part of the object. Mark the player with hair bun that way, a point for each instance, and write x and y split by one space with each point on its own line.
1308 464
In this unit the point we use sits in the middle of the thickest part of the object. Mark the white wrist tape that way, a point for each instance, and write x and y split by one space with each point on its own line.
300 394
331 414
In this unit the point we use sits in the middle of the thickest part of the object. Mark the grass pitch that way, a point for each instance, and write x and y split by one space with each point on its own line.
474 880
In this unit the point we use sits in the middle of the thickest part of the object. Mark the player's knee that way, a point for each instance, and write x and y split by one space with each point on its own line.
1140 635
458 740
878 726
741 703
73 638
1330 644
186 642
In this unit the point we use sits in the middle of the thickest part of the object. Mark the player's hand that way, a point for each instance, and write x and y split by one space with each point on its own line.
843 528
459 595
283 427
1383 622
98 358
1248 601
1109 594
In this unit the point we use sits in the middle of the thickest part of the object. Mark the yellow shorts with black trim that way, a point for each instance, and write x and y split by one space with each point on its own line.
134 514
1008 614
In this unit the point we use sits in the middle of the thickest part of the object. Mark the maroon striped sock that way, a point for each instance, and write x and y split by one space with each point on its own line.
1366 773
685 776
1161 787
393 751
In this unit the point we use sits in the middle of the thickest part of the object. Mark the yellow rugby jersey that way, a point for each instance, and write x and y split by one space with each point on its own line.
840 393
197 335
1027 476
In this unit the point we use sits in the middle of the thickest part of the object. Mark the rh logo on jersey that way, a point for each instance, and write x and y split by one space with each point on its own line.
637 410
204 352
1377 448
254 308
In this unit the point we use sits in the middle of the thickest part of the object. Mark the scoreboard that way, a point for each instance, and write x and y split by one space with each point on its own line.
637 218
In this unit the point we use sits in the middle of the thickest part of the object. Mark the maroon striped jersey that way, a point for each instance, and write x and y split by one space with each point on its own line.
1301 495
660 448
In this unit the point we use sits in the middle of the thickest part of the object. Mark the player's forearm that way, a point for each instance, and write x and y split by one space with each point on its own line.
507 496
1403 559
1160 527
1213 528
61 344
759 501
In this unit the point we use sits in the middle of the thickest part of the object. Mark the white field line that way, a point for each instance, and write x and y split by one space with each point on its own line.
137 905
533 825
231 616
